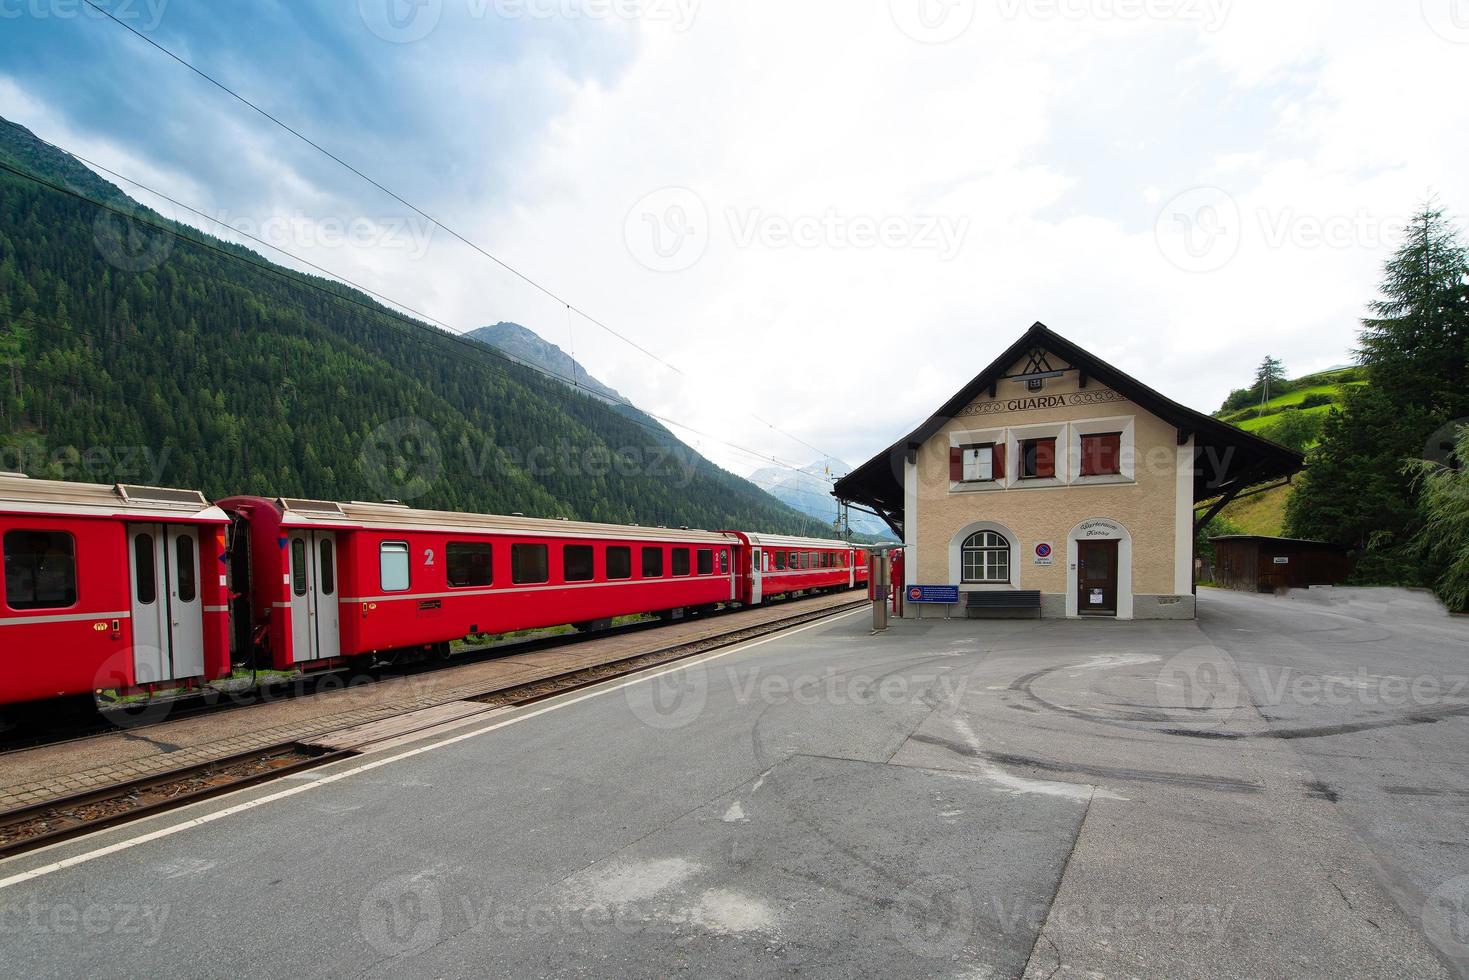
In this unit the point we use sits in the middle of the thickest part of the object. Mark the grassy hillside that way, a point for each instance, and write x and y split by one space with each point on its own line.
1323 391
1284 420
1264 513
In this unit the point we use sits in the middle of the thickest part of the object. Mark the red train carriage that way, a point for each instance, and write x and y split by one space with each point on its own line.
109 587
334 580
779 565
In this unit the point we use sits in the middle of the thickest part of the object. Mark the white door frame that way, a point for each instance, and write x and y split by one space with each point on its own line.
1100 529
328 617
168 630
315 618
149 619
757 584
185 604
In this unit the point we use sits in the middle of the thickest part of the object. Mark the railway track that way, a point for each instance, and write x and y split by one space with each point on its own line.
161 711
42 824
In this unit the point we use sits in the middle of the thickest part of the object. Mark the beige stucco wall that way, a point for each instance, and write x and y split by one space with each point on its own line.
1147 506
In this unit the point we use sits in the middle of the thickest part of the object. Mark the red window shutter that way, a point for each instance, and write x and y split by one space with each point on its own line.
956 464
1045 458
1111 453
1101 454
999 461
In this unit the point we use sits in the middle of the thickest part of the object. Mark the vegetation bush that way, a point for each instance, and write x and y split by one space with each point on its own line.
1316 399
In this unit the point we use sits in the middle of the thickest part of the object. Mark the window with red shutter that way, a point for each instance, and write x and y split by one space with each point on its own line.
1101 454
1037 459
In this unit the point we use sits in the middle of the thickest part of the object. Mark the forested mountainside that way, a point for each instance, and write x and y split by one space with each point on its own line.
128 355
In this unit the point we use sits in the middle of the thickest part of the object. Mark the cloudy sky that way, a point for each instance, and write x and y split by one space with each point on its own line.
826 215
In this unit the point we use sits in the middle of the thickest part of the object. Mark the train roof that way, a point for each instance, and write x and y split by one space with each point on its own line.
786 541
389 516
59 497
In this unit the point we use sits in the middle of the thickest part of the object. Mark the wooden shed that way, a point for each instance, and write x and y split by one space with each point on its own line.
1255 563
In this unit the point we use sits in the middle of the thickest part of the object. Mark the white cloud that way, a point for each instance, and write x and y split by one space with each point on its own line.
826 109
1050 132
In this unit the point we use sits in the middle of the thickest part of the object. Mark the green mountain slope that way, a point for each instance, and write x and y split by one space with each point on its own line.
1293 418
1313 396
127 355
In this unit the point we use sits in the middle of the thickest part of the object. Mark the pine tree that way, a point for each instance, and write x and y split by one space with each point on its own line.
1444 487
1417 345
1269 379
1414 350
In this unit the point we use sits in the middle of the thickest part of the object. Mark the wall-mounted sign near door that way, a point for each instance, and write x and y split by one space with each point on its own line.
1043 553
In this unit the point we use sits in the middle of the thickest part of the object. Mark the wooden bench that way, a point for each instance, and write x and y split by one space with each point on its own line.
1000 600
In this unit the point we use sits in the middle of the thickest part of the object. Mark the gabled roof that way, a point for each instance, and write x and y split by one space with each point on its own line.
1231 457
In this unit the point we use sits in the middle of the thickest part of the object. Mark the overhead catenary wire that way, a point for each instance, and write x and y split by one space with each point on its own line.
388 191
571 308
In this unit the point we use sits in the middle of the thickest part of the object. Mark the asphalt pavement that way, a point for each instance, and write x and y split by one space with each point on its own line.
1277 789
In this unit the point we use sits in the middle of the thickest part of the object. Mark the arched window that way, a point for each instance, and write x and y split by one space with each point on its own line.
986 557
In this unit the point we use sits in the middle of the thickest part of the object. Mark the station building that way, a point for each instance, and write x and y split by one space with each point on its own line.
1054 481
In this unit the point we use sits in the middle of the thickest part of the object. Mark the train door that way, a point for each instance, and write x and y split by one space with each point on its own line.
315 622
756 588
167 613
851 569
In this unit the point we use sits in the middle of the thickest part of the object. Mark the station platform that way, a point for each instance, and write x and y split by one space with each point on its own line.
61 769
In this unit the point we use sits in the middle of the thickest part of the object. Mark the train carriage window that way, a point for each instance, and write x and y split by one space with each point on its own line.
706 561
145 570
393 565
619 562
723 562
328 568
187 578
529 564
652 563
780 561
576 563
40 570
811 560
469 563
680 561
298 566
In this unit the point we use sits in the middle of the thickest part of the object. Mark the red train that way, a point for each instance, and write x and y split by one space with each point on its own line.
127 588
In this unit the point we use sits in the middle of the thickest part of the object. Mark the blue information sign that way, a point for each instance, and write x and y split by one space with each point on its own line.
945 594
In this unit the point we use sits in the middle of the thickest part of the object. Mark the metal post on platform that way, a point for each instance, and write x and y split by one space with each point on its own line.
877 573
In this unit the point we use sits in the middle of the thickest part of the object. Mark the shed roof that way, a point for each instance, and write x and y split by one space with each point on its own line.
1271 539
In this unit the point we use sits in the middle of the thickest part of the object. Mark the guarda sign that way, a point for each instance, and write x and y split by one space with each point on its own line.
1031 403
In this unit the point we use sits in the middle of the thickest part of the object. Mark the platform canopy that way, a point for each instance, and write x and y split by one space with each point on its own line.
1230 459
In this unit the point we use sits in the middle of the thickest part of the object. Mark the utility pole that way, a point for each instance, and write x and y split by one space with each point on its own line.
843 522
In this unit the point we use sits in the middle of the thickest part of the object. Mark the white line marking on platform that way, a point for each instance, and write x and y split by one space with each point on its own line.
208 818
